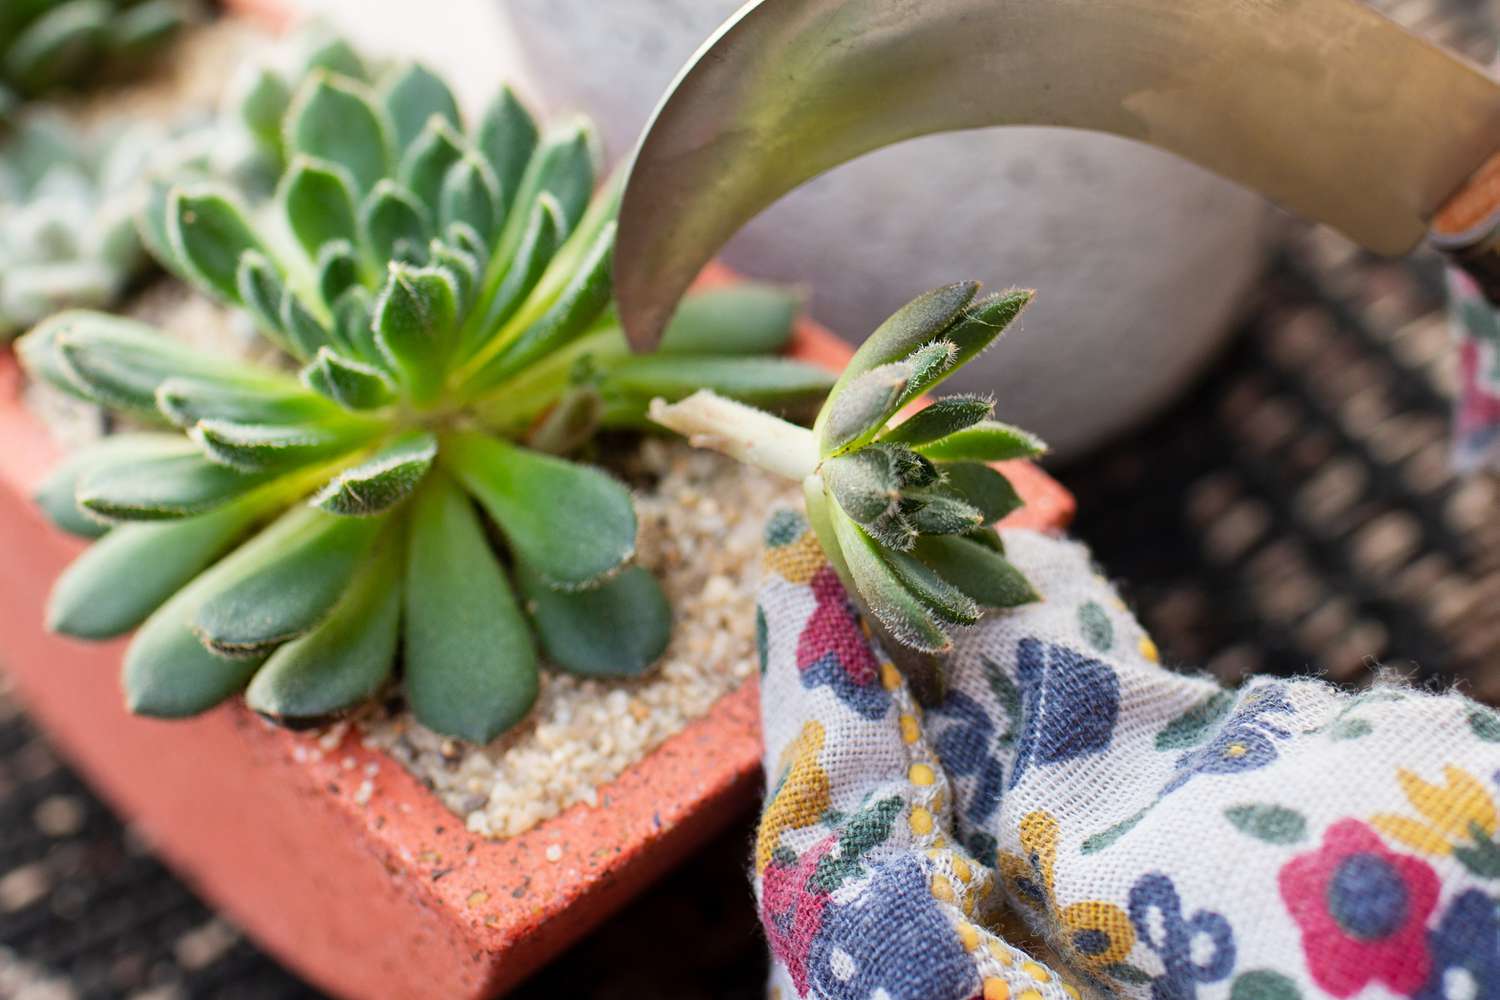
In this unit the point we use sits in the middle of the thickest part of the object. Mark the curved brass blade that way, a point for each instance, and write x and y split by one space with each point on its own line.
1322 105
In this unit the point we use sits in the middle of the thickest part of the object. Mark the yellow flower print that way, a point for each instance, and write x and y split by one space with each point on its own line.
1455 814
797 561
1097 934
801 797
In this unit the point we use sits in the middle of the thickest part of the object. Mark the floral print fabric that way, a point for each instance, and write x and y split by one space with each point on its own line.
1073 820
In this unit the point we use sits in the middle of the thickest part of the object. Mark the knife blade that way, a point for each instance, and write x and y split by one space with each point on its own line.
1324 106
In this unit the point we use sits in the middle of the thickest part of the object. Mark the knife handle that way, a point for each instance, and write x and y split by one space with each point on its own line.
1467 228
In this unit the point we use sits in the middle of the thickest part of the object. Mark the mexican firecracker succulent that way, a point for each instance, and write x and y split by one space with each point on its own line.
67 201
46 44
445 295
904 510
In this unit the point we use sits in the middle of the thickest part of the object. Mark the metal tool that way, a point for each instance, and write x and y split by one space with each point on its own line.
1322 105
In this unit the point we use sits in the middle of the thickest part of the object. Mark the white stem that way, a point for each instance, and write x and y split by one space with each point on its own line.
742 432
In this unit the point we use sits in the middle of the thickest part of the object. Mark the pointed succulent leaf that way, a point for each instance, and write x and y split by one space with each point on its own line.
305 333
354 323
978 570
984 321
863 483
618 629
209 233
58 494
338 271
946 602
766 382
912 470
507 137
166 486
283 582
562 166
470 665
543 237
39 355
384 480
982 487
883 592
185 400
741 319
988 441
426 163
261 291
572 524
168 673
413 95
414 325
347 658
929 366
393 223
939 512
331 54
470 195
461 236
858 410
461 267
317 199
153 225
124 577
256 448
261 100
893 530
582 300
335 118
913 326
349 383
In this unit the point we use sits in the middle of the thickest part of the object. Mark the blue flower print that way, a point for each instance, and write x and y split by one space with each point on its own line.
1194 950
965 744
1465 951
1245 742
1070 704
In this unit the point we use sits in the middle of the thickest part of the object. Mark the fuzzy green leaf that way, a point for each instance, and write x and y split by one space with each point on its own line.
426 164
332 54
256 448
943 599
470 195
983 322
414 326
283 582
317 199
470 665
571 523
383 481
337 269
346 659
394 224
352 385
913 326
58 494
543 236
977 570
461 267
863 483
765 382
859 409
737 319
354 321
168 673
165 486
133 570
988 441
186 400
942 418
938 512
304 332
929 366
883 592
507 137
562 166
412 96
618 629
261 100
984 488
261 290
209 233
336 119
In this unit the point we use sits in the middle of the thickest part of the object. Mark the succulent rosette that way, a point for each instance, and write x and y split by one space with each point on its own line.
396 499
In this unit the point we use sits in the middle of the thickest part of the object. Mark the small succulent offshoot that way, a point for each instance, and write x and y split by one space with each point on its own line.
444 293
67 206
48 44
903 510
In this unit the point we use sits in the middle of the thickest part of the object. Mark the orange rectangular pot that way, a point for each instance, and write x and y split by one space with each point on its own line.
367 895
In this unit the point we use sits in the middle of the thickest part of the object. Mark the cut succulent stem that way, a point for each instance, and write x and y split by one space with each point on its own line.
446 292
902 512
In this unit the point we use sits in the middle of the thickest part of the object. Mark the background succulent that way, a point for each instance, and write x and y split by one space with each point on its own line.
902 507
46 44
67 205
444 293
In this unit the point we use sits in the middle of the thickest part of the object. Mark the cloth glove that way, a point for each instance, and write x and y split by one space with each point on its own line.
1158 835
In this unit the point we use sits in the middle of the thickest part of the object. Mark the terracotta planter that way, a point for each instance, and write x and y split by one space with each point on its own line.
373 892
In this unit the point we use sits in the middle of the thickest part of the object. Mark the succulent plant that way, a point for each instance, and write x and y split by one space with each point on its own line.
903 510
444 293
46 44
67 202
